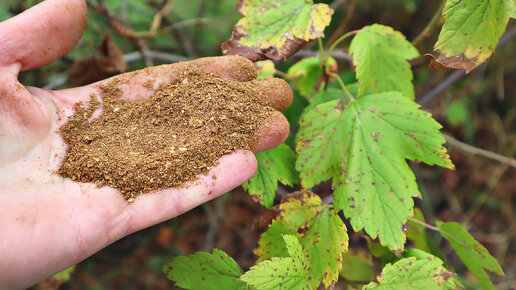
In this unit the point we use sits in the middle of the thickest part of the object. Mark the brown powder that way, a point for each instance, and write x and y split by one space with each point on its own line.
165 140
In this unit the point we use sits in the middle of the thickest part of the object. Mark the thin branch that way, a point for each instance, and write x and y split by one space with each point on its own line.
456 75
126 31
60 81
423 224
144 48
452 78
430 26
188 22
335 54
214 216
156 21
343 24
494 178
155 55
510 161
337 3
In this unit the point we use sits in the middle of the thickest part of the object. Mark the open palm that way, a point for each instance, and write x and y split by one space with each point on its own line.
48 222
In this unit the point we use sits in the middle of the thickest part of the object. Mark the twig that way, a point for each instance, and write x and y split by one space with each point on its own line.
282 74
423 224
343 24
124 11
214 216
337 3
155 55
142 45
126 31
493 180
430 26
510 161
200 13
335 54
453 77
60 81
177 25
158 17
456 75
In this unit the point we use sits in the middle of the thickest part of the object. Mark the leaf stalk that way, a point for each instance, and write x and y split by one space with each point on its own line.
344 88
423 224
339 40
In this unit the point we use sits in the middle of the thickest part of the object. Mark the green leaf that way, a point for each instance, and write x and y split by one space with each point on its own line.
280 273
276 29
422 271
381 56
382 252
205 271
306 74
368 141
330 94
66 274
511 7
356 267
457 112
471 252
320 230
265 69
277 164
471 31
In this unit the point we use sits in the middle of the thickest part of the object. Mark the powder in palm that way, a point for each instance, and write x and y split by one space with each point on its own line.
165 140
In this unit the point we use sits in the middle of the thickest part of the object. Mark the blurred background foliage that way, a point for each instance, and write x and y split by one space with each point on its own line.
478 109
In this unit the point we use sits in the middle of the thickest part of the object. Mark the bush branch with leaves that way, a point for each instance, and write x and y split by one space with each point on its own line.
360 137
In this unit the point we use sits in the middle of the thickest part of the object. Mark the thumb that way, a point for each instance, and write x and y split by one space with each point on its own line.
43 33
32 39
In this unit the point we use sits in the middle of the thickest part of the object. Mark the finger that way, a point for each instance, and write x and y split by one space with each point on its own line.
272 132
152 208
142 83
228 67
43 33
24 120
274 92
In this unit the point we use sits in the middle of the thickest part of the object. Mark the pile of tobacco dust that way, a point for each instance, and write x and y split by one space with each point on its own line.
162 141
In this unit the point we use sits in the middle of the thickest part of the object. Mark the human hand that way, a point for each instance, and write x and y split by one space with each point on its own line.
49 222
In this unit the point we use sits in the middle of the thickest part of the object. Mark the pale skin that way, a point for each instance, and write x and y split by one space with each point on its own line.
48 222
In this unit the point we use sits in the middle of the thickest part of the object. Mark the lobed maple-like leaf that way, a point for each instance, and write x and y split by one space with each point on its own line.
329 94
321 232
280 273
276 29
422 271
277 164
471 252
381 57
368 141
471 31
205 271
